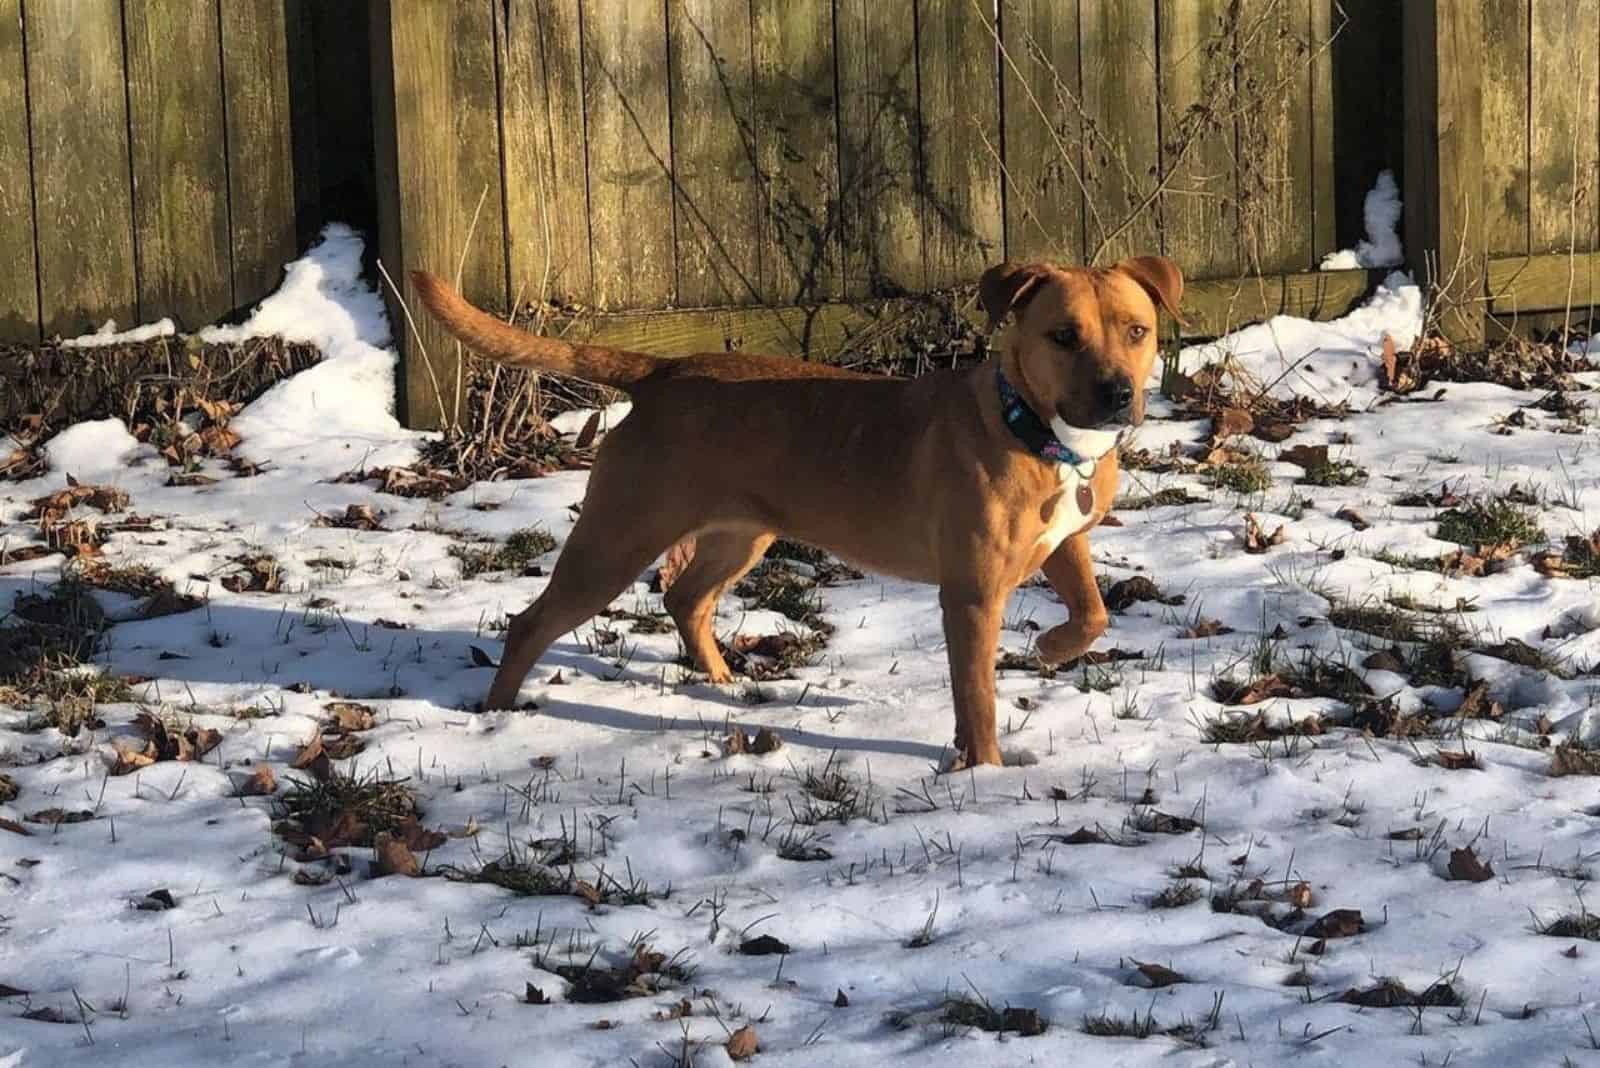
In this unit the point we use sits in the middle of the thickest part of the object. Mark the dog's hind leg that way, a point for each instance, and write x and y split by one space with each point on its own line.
603 556
720 557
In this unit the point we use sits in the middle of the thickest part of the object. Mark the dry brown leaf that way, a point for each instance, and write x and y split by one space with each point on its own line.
1466 867
350 716
673 564
1231 422
1384 660
14 827
591 427
1306 456
1205 628
1158 975
1340 923
1258 541
418 837
1265 688
587 892
1353 517
1300 896
261 782
1458 759
743 1044
394 858
314 758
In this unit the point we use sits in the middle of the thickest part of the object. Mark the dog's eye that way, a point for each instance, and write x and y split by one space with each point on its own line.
1137 332
1066 337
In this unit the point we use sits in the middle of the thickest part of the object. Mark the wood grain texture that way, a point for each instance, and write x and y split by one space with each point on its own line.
1199 210
1444 159
1122 164
19 286
1044 131
717 207
83 198
446 211
879 171
1543 282
963 222
797 149
261 178
180 166
1563 149
1275 135
630 153
1324 190
1505 125
546 175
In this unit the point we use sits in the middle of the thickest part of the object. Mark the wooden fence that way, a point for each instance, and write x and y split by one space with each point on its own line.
701 173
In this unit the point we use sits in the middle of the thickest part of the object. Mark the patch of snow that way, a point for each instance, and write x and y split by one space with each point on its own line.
1381 247
572 422
95 449
108 334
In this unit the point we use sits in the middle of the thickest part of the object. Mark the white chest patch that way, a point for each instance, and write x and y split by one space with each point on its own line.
1075 509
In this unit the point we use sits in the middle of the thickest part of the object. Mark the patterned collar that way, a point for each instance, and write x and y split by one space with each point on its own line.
1032 431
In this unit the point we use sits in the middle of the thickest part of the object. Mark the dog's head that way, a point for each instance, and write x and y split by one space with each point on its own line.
1084 339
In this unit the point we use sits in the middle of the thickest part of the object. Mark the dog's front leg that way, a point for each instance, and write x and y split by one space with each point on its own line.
972 631
1071 575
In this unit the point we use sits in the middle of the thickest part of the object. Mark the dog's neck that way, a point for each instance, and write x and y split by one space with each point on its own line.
1034 434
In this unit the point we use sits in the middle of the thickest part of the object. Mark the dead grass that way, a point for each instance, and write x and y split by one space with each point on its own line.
520 549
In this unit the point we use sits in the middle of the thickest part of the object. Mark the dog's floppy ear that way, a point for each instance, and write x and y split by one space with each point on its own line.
1008 286
1160 278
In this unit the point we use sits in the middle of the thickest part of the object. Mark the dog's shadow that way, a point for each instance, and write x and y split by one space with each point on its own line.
266 650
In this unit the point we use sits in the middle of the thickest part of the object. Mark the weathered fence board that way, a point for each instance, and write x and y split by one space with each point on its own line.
446 211
1505 128
1563 149
879 174
714 152
1122 150
630 154
959 101
179 159
1274 107
19 287
1043 130
546 190
78 115
261 172
797 149
1200 206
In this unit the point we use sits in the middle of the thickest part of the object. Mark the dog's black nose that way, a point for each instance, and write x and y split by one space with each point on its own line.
1116 399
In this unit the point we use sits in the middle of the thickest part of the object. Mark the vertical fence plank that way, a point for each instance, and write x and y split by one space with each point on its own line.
82 196
19 287
434 65
1275 136
1200 208
714 152
878 136
261 179
630 153
1044 149
1122 147
180 171
1324 218
1563 149
962 220
1505 125
797 149
547 198
1442 46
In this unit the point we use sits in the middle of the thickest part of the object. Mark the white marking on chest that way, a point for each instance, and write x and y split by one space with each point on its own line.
1065 518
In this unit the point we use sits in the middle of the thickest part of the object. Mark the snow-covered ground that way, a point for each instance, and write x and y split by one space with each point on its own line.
1035 886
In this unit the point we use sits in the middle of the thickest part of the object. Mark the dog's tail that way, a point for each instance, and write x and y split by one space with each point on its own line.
501 341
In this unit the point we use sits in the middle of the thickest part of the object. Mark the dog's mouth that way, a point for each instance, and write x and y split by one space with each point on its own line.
1089 443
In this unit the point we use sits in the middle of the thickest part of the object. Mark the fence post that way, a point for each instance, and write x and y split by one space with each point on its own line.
440 197
1444 209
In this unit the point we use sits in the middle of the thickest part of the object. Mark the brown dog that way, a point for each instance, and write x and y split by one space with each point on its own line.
957 478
